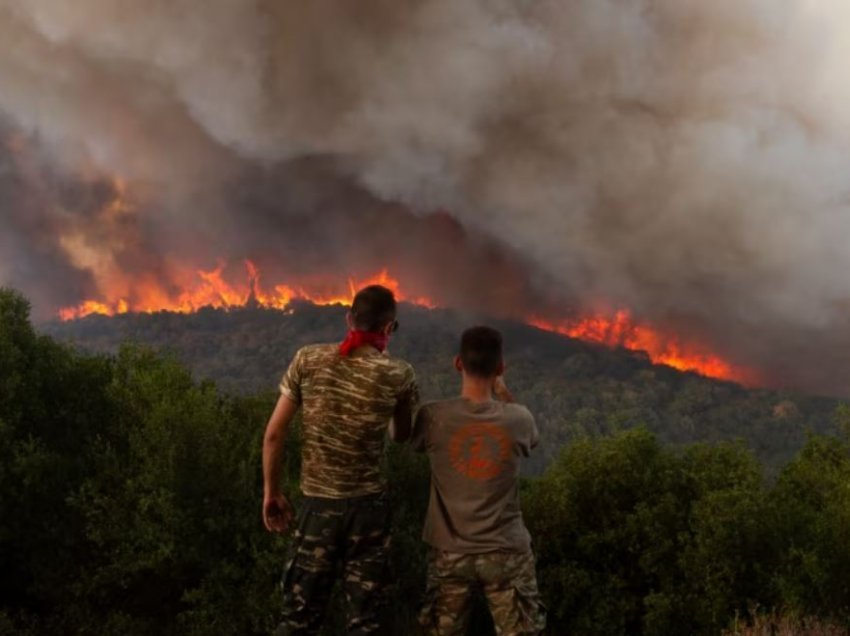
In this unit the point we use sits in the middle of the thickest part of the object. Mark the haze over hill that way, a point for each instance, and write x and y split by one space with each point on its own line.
574 387
681 159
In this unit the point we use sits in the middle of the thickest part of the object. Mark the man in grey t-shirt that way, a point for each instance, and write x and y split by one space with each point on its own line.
474 523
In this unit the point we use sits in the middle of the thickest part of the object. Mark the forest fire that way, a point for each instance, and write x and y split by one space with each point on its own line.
622 330
212 289
186 290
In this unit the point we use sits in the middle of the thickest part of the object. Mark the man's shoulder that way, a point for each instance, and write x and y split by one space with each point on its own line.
317 350
398 367
436 406
399 363
509 408
519 411
441 403
436 413
517 415
320 348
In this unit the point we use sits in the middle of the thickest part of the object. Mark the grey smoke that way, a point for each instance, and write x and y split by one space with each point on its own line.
689 160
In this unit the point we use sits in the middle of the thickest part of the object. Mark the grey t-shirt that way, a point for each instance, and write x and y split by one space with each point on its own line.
475 450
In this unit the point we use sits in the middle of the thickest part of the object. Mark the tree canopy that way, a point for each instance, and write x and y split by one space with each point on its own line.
130 499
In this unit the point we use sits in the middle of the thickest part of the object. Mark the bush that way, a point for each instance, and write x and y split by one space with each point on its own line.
633 538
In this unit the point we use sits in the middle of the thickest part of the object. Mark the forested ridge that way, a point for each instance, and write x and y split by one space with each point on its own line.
574 388
130 490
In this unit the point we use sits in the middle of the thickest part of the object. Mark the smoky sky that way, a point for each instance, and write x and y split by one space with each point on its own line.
688 160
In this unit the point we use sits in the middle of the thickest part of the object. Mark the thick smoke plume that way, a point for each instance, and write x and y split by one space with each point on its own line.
689 160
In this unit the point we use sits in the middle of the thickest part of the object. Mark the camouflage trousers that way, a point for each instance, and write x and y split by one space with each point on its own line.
336 537
507 579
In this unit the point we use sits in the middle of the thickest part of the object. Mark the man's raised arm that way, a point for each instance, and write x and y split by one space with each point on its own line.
501 391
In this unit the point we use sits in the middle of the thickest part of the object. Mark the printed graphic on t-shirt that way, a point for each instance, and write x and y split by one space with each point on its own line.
480 450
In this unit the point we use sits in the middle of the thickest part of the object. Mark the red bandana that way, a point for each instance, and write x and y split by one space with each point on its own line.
356 339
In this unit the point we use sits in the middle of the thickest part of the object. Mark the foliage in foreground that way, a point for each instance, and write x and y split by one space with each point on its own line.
775 624
129 504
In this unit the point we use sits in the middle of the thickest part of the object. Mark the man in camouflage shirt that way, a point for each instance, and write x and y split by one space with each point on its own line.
474 522
349 394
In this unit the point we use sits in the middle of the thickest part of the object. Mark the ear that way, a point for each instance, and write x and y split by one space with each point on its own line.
500 370
458 364
388 328
349 320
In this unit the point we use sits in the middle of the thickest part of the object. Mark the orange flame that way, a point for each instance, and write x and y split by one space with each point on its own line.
211 289
622 330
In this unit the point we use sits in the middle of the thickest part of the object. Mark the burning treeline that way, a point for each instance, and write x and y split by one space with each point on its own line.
213 290
187 290
648 173
181 289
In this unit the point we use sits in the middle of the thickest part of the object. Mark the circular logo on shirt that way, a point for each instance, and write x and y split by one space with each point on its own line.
480 451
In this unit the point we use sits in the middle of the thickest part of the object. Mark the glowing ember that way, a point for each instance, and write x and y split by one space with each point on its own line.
621 330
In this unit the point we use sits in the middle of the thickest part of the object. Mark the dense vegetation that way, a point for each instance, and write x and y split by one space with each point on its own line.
130 496
574 388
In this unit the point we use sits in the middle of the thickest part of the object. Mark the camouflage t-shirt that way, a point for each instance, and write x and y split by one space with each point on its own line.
348 403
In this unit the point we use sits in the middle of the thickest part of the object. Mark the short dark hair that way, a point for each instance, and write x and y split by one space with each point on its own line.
481 351
372 308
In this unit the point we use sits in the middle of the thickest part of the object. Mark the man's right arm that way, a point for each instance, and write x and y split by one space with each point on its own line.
277 511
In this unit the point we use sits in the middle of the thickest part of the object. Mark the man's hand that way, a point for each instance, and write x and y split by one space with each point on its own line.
277 513
501 391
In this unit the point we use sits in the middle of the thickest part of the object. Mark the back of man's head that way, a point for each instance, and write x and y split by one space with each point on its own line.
373 308
481 351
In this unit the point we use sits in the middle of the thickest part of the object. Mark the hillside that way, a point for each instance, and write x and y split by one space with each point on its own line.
573 387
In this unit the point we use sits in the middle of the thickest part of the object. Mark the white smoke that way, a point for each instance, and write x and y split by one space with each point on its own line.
687 159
